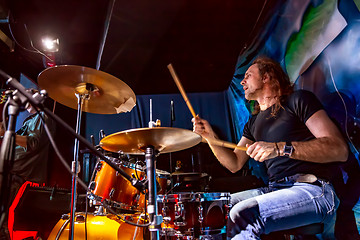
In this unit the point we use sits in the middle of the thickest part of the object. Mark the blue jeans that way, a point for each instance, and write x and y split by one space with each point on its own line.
282 206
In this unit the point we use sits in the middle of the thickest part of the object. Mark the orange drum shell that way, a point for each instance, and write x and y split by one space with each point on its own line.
163 183
112 186
107 227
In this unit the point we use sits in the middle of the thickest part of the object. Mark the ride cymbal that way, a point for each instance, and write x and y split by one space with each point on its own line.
163 139
103 93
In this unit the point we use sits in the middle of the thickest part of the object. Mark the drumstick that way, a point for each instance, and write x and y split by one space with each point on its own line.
181 89
215 142
222 143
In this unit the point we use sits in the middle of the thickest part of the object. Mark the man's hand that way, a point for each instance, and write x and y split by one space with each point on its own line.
203 128
261 151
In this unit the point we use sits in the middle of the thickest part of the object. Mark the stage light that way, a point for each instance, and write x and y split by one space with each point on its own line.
50 45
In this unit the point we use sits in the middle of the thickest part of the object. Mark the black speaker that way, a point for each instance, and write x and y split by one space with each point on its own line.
40 208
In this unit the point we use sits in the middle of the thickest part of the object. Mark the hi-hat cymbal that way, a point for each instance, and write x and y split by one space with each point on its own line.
106 93
163 139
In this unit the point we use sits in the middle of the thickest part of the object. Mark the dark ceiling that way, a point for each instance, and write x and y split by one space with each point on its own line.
202 39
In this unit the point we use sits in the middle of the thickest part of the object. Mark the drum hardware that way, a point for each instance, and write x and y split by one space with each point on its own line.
193 215
110 186
89 90
201 217
134 182
171 189
165 213
179 214
111 194
152 141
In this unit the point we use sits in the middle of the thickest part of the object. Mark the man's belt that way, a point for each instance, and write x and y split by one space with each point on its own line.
306 178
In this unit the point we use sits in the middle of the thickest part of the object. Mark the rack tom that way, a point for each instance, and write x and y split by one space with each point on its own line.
110 185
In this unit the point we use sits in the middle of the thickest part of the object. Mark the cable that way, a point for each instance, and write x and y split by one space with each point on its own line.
342 99
32 45
53 144
256 22
24 48
12 35
123 219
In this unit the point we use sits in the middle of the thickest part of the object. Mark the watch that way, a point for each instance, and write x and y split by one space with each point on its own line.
288 149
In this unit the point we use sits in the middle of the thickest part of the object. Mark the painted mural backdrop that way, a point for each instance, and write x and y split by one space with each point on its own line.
318 43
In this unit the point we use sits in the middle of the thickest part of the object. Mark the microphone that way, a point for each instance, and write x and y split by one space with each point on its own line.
172 112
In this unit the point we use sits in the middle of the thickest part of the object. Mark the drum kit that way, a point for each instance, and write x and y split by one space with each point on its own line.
122 210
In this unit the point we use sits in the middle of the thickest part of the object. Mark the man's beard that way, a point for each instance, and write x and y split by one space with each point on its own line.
253 94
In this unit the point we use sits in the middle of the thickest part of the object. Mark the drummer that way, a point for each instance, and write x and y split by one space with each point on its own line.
291 133
31 152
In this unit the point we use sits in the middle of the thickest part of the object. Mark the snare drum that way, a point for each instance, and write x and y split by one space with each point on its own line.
98 227
193 213
111 185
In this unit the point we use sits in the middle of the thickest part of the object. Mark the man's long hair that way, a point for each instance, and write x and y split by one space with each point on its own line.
279 80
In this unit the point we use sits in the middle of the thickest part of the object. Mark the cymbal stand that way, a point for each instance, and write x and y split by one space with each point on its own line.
150 160
75 164
152 209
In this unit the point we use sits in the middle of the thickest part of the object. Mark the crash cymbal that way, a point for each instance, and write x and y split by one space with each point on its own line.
106 93
163 139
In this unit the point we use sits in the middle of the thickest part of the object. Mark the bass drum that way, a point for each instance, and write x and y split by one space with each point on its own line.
98 227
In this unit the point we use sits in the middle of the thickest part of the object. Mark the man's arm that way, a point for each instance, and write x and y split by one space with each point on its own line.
328 145
232 160
19 140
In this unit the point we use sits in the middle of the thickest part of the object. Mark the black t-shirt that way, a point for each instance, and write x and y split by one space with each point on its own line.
288 125
31 161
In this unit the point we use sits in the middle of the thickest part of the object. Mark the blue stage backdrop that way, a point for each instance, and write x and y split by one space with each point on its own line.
212 106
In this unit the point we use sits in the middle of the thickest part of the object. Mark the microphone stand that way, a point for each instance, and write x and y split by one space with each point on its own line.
37 101
7 154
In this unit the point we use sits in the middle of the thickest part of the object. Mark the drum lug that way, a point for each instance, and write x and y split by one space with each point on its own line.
92 185
98 166
164 212
179 214
200 211
136 199
80 218
112 191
